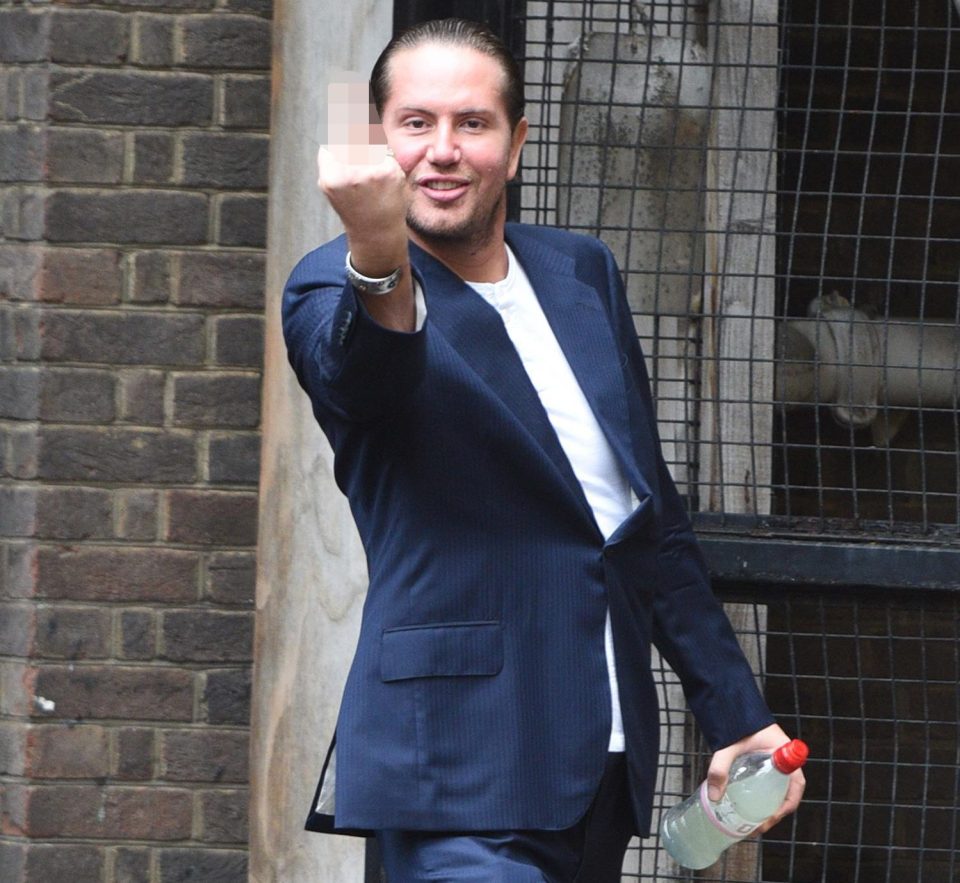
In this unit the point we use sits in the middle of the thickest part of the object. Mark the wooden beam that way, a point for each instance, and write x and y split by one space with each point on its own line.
739 288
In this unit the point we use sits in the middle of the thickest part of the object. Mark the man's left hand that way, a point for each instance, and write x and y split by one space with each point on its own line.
769 740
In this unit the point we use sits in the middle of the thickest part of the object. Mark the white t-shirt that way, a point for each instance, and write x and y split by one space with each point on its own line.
593 462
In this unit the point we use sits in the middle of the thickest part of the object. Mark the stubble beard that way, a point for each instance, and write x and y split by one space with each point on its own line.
471 232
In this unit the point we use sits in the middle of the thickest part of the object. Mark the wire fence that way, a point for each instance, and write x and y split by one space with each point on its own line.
781 185
871 683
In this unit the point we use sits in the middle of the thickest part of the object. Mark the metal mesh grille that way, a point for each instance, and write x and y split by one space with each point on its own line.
779 185
872 685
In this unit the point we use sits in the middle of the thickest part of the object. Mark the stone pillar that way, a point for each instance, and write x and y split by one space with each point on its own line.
311 575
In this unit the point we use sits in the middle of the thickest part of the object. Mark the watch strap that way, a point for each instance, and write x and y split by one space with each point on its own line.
372 284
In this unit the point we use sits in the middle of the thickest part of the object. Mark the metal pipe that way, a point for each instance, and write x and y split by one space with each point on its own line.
857 365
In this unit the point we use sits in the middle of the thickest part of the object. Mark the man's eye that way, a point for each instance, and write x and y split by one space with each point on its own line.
473 124
416 124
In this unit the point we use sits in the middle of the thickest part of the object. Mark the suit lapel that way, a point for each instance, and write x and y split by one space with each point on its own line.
474 329
582 328
579 322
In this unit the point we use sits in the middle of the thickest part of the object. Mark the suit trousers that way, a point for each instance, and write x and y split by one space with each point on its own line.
591 851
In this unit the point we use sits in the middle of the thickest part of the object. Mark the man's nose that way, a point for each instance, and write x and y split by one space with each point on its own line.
444 149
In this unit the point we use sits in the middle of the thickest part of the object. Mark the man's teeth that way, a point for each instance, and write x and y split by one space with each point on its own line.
444 185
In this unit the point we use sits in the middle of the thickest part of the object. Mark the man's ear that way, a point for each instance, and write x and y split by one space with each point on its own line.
517 139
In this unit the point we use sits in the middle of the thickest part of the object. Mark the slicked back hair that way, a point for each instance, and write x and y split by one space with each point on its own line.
452 32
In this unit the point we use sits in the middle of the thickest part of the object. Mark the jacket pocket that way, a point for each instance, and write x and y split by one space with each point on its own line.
460 649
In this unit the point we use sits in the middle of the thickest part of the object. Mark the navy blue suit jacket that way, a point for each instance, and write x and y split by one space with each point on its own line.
478 696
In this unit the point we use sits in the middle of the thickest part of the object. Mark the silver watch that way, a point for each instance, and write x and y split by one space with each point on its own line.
369 284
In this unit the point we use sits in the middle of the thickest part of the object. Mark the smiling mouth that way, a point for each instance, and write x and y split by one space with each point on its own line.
444 185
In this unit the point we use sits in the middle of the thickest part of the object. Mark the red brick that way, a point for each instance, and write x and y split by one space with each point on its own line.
80 276
152 40
14 800
223 816
226 696
138 638
141 397
234 458
103 692
67 751
131 865
225 160
233 279
112 454
24 35
20 393
84 156
114 337
147 217
213 400
137 514
224 41
114 813
72 633
21 452
77 395
246 102
88 37
115 574
28 91
207 636
231 578
152 277
73 513
13 748
24 213
153 157
18 570
209 865
238 341
13 855
47 863
205 755
19 269
255 7
135 753
18 692
18 510
17 627
241 220
130 98
168 5
21 151
218 518
20 332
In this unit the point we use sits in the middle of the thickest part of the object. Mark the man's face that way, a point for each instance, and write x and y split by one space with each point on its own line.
447 123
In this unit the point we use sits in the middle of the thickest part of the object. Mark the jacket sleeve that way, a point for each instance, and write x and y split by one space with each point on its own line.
690 628
350 366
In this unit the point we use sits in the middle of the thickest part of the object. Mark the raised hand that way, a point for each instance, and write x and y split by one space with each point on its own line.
366 187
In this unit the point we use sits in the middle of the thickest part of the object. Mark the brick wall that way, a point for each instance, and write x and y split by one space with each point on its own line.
133 169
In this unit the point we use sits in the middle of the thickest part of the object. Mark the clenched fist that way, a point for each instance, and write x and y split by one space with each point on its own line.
370 198
368 190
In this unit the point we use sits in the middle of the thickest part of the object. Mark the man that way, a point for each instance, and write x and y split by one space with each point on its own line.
486 400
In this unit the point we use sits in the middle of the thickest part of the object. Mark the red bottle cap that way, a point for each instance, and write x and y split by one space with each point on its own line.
791 756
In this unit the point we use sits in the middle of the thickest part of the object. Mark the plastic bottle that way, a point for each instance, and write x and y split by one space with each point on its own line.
696 831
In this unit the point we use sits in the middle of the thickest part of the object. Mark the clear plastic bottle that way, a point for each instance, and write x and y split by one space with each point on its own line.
696 831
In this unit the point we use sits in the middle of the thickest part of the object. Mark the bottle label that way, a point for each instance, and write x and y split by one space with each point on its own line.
724 817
